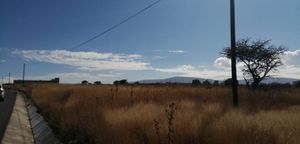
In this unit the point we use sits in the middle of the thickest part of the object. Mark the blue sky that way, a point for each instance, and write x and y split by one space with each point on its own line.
173 38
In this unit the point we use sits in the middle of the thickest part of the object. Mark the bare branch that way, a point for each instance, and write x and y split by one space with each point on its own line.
259 58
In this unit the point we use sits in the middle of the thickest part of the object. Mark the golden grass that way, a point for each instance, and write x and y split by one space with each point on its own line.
104 114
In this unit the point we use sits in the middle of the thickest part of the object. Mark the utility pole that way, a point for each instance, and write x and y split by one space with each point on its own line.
233 55
9 78
23 73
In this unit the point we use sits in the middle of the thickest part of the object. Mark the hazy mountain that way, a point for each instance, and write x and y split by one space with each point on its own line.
279 80
174 80
179 79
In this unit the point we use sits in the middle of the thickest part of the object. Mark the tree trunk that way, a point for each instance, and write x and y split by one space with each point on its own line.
255 84
247 83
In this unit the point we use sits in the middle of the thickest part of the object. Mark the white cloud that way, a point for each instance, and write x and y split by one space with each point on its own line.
291 58
176 51
179 69
191 71
225 64
289 71
222 62
92 61
291 65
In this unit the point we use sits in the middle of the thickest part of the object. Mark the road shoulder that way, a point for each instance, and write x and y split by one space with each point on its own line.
18 129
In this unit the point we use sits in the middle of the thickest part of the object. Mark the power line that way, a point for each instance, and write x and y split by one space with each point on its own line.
117 25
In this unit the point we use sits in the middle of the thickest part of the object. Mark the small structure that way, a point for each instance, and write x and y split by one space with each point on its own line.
55 80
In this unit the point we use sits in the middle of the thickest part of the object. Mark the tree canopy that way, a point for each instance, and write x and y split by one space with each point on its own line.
121 82
196 82
259 59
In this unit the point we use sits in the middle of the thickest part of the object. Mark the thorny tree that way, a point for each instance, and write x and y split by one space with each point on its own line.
259 59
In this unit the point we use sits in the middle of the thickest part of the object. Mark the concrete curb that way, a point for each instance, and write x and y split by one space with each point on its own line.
42 133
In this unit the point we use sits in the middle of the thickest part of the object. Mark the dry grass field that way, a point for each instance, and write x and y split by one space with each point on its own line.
163 114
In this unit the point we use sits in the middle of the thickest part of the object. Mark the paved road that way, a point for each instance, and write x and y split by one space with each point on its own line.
6 108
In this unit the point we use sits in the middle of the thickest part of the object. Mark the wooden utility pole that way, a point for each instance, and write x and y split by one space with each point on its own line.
9 78
23 73
233 55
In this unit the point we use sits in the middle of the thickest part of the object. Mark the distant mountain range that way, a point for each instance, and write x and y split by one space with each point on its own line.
279 80
173 80
186 80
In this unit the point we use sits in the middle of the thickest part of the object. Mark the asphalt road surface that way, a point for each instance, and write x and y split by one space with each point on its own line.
6 108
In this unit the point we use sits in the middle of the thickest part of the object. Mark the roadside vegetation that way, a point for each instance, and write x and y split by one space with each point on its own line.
164 114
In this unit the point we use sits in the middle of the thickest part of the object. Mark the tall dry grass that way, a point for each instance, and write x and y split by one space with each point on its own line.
142 114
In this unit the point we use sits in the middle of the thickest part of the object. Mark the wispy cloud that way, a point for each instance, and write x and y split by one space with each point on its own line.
177 51
191 71
179 69
158 57
92 61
